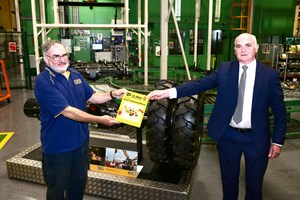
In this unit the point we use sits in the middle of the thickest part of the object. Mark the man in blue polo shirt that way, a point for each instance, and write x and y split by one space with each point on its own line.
62 94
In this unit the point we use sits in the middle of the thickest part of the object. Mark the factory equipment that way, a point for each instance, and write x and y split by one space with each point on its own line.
103 69
95 56
267 53
118 53
82 51
288 64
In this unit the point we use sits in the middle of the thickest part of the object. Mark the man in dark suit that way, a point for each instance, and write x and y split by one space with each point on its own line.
249 133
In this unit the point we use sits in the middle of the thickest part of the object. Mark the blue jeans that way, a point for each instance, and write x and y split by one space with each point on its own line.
66 173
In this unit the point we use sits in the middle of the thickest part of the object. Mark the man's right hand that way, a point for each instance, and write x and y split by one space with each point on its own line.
159 94
108 120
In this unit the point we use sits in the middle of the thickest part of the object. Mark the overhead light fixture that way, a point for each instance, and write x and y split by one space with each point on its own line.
218 10
178 9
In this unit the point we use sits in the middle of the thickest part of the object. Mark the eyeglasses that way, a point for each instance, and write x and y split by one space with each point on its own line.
57 57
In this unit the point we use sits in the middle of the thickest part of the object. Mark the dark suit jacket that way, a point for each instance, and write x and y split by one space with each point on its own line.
267 94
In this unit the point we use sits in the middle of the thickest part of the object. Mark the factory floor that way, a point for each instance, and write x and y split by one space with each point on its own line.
282 179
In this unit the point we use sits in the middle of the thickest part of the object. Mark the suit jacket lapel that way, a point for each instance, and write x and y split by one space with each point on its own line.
235 80
258 81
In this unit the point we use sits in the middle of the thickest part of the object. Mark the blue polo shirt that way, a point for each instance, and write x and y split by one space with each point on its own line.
54 92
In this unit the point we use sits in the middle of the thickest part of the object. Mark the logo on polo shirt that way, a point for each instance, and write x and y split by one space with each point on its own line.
77 81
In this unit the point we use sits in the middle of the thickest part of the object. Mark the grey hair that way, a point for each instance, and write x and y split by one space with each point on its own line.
48 44
253 38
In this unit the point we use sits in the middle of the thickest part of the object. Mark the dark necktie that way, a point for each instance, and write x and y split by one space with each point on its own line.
237 116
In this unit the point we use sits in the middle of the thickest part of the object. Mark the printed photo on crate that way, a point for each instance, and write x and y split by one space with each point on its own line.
115 161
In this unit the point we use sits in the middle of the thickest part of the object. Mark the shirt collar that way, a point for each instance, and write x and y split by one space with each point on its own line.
251 65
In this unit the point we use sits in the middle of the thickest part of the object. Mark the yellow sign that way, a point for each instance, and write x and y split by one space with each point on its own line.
132 108
4 137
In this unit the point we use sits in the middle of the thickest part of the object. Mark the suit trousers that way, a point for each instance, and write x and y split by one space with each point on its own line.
231 147
66 173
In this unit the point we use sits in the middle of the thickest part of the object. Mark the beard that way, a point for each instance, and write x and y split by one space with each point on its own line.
61 67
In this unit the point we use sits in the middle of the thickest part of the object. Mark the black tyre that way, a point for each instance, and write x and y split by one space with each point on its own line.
187 133
159 135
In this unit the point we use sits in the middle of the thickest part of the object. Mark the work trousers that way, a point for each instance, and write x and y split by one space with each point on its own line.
230 148
66 173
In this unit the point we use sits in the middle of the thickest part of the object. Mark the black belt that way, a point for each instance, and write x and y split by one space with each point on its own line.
242 130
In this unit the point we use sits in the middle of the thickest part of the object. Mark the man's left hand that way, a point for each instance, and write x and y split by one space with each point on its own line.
275 151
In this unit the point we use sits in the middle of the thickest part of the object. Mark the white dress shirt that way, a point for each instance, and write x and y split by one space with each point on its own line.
247 106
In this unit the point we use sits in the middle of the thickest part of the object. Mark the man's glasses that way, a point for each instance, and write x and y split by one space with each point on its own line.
56 57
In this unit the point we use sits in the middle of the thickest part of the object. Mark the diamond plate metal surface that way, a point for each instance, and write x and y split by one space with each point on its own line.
104 184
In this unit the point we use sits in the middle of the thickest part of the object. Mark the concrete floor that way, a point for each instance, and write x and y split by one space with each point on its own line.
282 180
